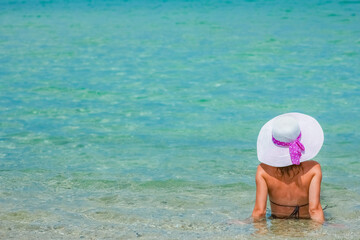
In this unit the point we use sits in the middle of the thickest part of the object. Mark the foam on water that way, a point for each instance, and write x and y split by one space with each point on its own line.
139 119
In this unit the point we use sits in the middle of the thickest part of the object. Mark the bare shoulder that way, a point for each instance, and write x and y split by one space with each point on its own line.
261 173
311 167
265 170
260 169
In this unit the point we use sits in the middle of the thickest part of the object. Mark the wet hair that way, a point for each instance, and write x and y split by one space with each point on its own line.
291 170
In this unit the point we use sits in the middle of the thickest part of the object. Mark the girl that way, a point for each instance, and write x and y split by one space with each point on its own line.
285 146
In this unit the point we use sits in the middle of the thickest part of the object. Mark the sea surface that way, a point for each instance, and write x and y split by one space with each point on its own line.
139 119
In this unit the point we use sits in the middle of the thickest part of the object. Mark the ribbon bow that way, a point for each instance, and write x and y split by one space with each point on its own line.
295 148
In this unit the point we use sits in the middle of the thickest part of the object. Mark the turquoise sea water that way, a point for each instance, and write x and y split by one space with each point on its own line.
139 119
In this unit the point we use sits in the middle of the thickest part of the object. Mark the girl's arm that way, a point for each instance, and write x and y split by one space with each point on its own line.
259 211
315 209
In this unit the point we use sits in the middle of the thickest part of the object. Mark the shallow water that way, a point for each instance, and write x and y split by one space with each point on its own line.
127 119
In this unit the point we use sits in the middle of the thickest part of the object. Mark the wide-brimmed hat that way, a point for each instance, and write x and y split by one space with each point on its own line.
288 139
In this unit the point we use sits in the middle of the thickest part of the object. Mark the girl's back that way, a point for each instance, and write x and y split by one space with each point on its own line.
289 187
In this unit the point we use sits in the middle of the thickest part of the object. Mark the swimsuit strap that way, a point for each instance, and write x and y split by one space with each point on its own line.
289 205
296 212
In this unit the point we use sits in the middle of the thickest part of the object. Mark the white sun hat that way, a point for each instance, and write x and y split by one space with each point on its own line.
288 139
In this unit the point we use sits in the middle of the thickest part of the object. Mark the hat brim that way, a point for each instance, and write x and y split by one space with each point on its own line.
312 137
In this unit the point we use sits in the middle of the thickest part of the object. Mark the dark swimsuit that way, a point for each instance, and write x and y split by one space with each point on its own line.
295 214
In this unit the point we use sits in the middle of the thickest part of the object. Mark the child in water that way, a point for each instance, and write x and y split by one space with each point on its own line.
285 146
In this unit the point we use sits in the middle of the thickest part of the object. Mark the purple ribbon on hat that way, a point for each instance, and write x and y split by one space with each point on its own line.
295 148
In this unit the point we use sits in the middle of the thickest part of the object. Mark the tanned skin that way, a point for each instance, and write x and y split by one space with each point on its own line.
296 188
